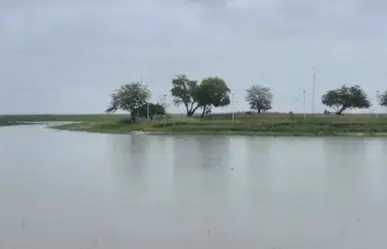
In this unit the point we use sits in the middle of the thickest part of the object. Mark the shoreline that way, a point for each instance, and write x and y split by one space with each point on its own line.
272 125
11 123
151 130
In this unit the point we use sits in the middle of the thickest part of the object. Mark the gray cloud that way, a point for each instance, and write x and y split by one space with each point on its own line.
67 56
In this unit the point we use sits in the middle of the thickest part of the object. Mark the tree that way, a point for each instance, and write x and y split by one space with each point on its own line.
154 109
346 97
129 97
383 99
185 91
213 91
259 98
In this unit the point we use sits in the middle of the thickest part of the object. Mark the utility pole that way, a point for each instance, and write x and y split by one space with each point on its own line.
304 100
147 110
313 87
165 105
165 100
377 96
233 111
147 104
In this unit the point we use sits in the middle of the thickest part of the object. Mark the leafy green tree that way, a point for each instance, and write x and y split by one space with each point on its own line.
259 98
154 110
129 97
213 91
185 91
346 97
383 99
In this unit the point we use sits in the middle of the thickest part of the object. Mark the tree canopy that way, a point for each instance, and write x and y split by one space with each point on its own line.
129 97
153 109
383 99
212 91
185 91
346 97
259 98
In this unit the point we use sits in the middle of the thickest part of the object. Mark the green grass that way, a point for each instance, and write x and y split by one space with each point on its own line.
5 123
61 117
10 123
221 124
262 125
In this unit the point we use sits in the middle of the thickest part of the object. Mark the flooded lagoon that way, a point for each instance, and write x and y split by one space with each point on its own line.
78 190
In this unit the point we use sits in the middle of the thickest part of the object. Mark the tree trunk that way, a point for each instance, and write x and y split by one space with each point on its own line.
133 116
188 110
259 111
339 112
191 112
204 112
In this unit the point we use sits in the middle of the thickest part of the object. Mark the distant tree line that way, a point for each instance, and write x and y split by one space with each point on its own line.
211 92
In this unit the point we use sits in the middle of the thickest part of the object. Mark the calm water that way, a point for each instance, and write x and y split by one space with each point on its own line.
77 190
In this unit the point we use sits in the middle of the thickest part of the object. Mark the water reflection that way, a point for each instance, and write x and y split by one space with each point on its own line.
257 168
209 150
354 148
202 176
345 167
128 157
141 163
101 191
259 152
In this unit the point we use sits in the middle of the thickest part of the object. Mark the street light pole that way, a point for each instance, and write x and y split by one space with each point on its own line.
304 100
147 104
377 96
165 100
313 88
233 111
165 105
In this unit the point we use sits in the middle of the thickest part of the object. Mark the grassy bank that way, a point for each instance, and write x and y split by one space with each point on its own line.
6 123
265 125
220 124
8 120
10 123
61 117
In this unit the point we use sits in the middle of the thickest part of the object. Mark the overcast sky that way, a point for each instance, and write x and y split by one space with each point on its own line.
66 56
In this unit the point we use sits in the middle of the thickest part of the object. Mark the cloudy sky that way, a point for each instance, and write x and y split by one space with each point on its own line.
66 56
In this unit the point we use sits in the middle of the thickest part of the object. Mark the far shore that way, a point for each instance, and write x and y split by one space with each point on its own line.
258 125
264 125
101 128
11 123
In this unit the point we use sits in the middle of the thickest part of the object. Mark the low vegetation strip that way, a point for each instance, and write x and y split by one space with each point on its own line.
6 123
214 117
265 124
60 117
10 123
274 126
